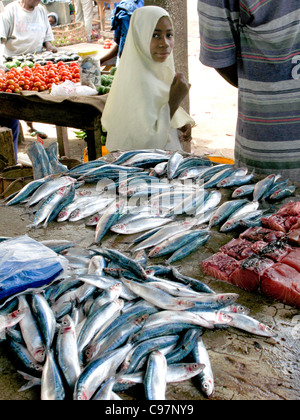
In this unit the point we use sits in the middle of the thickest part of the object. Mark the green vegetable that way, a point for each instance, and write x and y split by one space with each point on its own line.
113 71
27 63
10 64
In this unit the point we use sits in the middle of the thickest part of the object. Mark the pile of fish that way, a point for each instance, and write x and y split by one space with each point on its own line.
265 258
111 322
165 196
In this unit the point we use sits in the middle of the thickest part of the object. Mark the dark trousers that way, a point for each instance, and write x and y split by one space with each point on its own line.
14 125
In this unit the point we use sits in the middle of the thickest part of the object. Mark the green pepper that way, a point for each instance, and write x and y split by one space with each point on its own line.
10 64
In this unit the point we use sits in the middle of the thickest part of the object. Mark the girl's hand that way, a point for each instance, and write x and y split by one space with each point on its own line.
179 89
185 133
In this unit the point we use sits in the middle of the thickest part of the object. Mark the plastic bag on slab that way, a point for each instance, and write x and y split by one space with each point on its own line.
27 264
57 167
69 88
44 161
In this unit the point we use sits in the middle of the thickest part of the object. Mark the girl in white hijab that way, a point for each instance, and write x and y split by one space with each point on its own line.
143 106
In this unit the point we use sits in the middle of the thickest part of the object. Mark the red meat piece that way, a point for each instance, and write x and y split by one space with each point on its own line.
293 259
281 282
220 266
238 249
274 222
247 275
276 250
258 246
259 233
290 209
294 237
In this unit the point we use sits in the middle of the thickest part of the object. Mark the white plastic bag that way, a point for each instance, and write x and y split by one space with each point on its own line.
69 88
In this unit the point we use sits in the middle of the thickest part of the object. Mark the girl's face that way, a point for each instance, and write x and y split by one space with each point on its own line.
162 42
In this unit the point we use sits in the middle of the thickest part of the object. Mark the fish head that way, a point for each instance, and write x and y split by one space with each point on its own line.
267 330
207 387
194 367
223 318
75 214
228 298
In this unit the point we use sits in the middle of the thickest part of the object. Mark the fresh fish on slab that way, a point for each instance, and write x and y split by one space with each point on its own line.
52 388
124 261
28 190
9 320
89 209
176 372
234 219
96 321
283 192
235 180
211 201
262 187
67 351
96 372
243 191
108 219
212 171
189 248
206 376
49 188
171 244
157 297
163 233
225 210
216 178
155 379
30 331
49 205
44 316
173 164
140 225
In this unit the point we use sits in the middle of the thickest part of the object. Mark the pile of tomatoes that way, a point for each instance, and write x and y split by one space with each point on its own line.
38 78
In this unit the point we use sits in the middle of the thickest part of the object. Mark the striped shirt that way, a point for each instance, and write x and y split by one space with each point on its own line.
263 38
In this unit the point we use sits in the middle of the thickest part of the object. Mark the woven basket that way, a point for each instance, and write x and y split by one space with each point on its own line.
72 33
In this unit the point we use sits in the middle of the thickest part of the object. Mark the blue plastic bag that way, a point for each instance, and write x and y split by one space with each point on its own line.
27 264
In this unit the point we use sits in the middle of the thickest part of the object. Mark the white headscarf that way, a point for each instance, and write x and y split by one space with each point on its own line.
137 113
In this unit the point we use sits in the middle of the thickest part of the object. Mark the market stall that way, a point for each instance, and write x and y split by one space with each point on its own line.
246 364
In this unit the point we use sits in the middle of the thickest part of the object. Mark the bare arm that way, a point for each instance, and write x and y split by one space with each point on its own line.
230 74
112 53
49 46
178 91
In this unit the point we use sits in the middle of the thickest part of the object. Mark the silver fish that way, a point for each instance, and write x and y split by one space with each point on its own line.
261 187
155 379
235 180
206 376
30 331
96 372
164 233
140 225
157 297
236 216
52 388
67 351
89 209
225 210
173 163
243 191
48 188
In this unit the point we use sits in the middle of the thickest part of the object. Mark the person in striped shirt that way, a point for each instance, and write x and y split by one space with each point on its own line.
255 46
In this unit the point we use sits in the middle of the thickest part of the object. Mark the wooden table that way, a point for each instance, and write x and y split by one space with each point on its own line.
101 11
81 113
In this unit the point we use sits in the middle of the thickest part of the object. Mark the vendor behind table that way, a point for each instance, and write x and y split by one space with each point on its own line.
24 28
